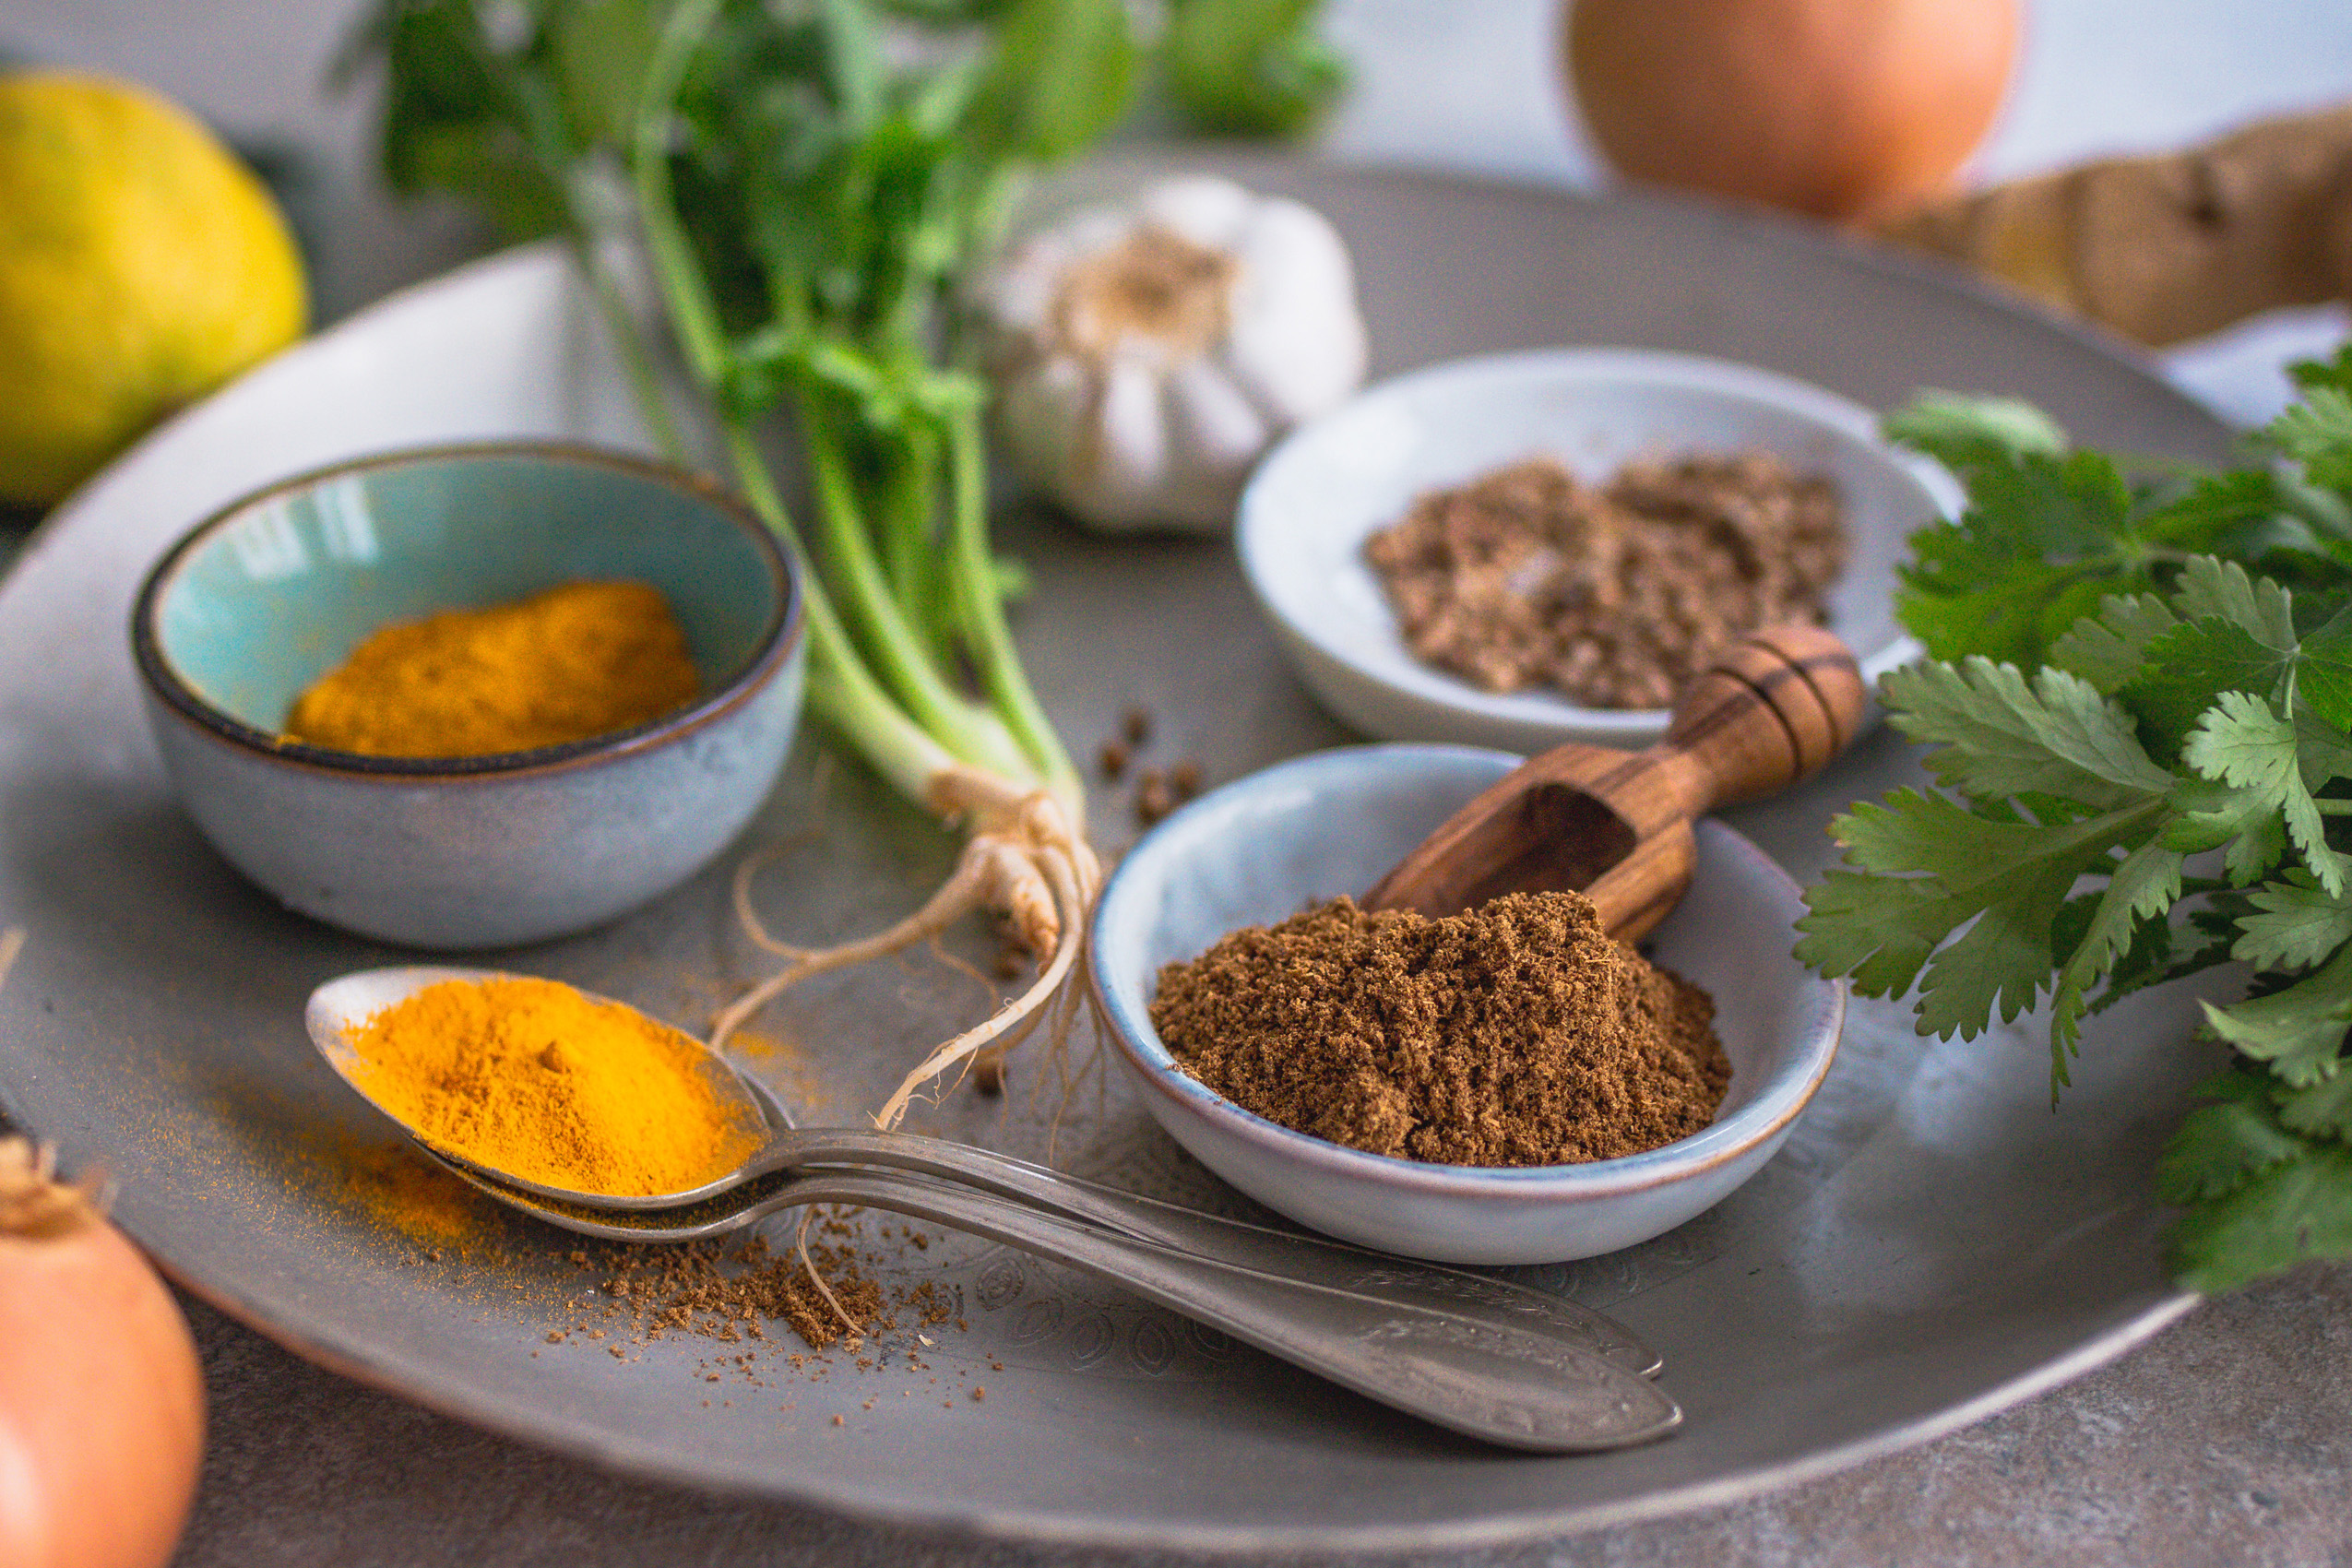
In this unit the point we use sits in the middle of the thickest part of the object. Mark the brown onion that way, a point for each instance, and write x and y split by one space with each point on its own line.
101 1405
1836 108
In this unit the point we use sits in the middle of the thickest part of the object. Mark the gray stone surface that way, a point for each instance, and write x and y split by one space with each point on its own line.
2224 1440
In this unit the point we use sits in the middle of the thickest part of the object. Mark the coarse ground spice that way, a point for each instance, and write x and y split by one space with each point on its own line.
731 1293
1617 595
1517 1034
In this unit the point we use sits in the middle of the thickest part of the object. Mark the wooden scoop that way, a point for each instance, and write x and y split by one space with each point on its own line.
1773 708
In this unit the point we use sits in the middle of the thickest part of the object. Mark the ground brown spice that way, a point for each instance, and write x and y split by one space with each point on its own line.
1518 1034
1616 595
732 1293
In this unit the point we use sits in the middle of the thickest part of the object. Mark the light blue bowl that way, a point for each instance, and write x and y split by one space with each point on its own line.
1261 849
272 592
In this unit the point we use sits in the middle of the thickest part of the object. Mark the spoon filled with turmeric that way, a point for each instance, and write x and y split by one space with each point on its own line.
588 1115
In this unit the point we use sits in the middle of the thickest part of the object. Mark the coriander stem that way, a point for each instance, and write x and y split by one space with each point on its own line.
966 728
691 314
841 687
908 503
980 609
636 362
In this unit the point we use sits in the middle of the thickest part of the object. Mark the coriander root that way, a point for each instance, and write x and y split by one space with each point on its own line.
1026 861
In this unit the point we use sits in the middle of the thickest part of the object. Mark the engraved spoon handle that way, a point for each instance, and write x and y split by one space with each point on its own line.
1490 1380
1379 1279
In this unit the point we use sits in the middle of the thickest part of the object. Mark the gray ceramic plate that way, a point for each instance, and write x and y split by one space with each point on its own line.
1932 1244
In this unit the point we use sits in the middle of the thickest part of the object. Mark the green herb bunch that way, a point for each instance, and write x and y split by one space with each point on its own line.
2138 706
800 187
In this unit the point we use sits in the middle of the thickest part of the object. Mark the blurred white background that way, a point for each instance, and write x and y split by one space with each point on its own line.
1470 85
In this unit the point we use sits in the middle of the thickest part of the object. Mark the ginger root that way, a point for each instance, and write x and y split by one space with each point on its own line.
2170 247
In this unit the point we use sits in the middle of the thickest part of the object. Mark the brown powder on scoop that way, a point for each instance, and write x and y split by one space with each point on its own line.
1616 595
1517 1034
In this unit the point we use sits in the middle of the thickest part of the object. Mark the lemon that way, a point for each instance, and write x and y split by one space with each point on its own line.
141 265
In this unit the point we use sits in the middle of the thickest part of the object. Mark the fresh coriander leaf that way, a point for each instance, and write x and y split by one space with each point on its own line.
2184 667
2243 742
1996 735
2000 961
2323 674
465 117
2152 960
2241 514
2335 370
2298 1030
2293 1210
854 67
1942 866
601 51
1964 432
2221 1142
2325 748
2323 1110
2209 815
1878 929
488 167
2317 433
2212 586
2106 648
1250 67
2144 887
2036 547
1063 73
2294 923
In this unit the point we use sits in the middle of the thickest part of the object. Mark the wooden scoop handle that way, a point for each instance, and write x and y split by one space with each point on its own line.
1773 708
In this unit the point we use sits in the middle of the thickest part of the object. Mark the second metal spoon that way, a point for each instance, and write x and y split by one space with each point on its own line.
1374 1279
1501 1383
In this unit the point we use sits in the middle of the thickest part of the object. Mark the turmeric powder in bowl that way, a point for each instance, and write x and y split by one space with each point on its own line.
541 1081
575 661
420 843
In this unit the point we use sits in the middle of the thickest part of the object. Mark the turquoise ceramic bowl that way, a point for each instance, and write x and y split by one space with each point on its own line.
272 592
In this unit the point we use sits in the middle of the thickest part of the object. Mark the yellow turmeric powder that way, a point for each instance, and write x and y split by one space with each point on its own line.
537 1080
582 658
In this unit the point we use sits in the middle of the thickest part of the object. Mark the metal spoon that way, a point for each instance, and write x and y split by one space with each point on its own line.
1494 1381
1356 1294
337 1008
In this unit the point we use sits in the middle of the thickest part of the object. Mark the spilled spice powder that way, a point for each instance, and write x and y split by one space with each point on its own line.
399 1188
731 1293
1517 1034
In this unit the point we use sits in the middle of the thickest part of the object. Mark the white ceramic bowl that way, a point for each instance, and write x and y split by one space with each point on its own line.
1340 478
1259 849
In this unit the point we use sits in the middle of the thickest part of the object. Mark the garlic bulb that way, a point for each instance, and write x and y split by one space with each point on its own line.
1144 357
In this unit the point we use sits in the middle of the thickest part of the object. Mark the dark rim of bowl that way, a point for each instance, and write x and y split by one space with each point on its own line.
776 641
